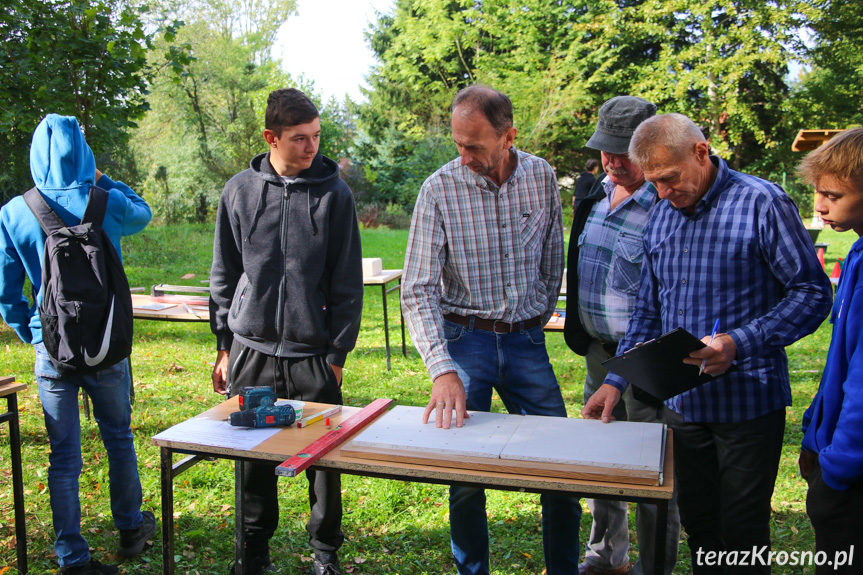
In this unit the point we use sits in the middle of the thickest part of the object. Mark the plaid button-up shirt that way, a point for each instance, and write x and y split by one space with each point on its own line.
475 249
745 258
610 251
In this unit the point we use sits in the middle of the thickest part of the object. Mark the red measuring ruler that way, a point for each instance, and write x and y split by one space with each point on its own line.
324 444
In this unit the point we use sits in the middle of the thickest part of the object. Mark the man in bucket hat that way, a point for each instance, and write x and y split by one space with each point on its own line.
604 265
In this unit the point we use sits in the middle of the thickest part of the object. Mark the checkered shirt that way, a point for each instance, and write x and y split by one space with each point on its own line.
475 249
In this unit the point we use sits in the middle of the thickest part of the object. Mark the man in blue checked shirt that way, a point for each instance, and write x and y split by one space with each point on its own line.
726 245
604 262
483 269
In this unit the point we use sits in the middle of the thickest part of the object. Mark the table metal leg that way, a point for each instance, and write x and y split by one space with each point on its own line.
86 401
386 325
167 474
131 382
17 484
239 515
661 536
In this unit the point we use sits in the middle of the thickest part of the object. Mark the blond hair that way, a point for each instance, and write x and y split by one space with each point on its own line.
841 157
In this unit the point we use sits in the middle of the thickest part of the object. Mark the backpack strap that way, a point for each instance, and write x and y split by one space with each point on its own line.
96 206
48 219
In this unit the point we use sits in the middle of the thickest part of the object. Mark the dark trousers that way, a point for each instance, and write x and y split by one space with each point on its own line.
305 379
835 515
725 474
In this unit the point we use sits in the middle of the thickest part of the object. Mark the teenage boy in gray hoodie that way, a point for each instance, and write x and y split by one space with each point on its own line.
286 299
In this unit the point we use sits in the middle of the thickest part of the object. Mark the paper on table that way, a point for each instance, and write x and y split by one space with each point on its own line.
154 306
203 431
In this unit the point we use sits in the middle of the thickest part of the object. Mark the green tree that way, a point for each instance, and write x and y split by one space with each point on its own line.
724 65
85 58
721 62
207 115
830 91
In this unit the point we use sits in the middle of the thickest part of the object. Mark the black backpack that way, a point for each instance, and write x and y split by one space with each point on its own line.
86 308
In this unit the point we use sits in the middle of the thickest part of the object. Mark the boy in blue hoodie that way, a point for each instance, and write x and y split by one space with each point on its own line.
64 169
831 459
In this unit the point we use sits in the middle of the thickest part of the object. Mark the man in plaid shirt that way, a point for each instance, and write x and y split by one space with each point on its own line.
604 265
727 246
482 274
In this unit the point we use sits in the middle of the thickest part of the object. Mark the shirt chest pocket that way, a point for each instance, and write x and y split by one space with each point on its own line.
624 275
533 225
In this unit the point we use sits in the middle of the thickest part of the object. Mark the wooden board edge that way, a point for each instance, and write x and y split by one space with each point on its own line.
506 466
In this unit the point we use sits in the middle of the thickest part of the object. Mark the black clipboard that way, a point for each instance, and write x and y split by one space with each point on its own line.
657 367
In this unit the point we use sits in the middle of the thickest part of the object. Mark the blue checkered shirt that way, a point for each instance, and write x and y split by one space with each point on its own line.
743 257
610 251
475 249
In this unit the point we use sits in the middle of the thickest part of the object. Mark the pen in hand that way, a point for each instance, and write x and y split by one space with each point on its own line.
712 337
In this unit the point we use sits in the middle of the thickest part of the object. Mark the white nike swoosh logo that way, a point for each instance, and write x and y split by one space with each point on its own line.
106 341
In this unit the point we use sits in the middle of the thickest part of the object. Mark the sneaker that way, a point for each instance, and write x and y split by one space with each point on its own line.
91 568
327 564
132 541
255 565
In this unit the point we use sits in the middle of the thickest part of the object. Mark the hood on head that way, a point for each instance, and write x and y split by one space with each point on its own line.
60 158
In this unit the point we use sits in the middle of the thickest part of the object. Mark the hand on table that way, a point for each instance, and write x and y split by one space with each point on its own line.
601 403
447 395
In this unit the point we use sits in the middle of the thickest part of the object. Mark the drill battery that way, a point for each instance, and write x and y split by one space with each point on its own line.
252 397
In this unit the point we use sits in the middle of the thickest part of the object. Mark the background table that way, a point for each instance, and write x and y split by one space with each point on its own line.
199 306
291 441
9 389
382 279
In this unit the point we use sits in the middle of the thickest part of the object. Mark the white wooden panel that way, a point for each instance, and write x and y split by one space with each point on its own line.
483 434
619 445
616 445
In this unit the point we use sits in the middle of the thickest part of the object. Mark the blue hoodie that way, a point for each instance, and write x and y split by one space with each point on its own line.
63 167
833 424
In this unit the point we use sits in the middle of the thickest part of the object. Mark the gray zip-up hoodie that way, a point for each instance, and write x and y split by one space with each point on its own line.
287 263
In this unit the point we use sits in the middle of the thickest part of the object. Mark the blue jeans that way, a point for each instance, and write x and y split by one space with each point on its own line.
517 366
109 394
608 543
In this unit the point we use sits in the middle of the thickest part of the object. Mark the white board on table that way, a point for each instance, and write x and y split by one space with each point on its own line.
483 434
588 442
618 445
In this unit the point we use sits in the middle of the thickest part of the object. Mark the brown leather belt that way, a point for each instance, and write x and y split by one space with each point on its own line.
496 326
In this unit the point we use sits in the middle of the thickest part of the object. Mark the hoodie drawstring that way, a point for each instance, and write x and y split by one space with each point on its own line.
258 210
260 205
309 206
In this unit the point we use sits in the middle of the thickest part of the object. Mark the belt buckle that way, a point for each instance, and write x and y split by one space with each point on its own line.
503 323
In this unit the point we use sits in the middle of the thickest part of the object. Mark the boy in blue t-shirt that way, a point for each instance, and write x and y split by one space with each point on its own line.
831 459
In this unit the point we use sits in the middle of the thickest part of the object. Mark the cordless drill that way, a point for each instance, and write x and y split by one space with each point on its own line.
264 416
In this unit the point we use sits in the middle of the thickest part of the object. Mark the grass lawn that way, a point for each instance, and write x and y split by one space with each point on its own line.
391 526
